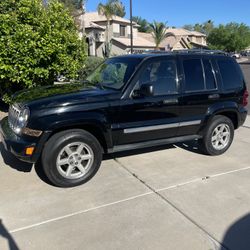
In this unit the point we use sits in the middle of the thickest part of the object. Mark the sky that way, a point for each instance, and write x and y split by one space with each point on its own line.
180 12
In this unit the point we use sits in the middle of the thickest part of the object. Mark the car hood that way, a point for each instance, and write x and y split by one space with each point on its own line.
63 94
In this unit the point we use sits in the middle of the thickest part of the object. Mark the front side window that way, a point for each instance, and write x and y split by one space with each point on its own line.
231 75
162 75
194 80
114 73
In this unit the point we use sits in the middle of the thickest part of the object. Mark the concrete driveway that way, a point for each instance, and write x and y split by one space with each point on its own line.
171 198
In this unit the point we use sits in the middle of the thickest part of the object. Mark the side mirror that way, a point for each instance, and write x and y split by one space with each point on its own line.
146 89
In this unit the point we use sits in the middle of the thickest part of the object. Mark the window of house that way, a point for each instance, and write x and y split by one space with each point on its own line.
231 75
210 78
194 80
122 30
162 75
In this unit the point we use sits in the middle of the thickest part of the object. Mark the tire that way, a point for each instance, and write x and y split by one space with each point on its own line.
218 136
71 158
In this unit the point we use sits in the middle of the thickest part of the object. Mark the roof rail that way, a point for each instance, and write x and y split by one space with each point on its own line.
189 51
202 51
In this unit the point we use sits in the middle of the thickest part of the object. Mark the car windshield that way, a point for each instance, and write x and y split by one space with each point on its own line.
114 73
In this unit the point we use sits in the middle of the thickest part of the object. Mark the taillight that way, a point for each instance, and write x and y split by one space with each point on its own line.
245 98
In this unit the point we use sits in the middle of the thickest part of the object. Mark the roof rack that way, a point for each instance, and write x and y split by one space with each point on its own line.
202 51
189 51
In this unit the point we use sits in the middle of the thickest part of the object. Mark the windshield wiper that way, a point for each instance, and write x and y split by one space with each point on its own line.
99 86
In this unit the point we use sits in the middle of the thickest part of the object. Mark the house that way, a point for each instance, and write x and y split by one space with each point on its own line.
119 32
178 39
120 35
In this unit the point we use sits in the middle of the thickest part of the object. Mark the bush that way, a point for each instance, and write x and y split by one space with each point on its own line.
37 43
90 64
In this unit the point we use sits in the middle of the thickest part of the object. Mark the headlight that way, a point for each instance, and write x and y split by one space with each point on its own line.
22 120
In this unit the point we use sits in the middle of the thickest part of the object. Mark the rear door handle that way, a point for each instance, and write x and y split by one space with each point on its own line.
213 96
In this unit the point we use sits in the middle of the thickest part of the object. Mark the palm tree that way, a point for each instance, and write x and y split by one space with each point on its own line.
110 9
159 32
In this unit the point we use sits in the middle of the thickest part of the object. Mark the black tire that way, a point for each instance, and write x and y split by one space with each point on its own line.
57 143
206 144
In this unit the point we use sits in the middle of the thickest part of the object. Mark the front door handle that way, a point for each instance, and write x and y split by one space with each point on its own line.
214 96
170 101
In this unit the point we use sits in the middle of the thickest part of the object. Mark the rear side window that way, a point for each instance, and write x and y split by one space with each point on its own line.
209 74
193 75
231 75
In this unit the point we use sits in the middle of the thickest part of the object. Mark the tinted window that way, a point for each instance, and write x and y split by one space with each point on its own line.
210 79
231 75
193 75
162 74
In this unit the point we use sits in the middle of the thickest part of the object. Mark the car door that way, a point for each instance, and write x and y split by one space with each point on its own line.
199 92
143 118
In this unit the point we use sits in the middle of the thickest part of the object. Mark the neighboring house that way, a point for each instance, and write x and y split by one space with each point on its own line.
120 34
178 39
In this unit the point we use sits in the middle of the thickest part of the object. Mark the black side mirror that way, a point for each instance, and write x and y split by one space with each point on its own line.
146 89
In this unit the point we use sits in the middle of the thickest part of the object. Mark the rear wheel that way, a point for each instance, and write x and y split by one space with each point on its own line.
218 136
71 158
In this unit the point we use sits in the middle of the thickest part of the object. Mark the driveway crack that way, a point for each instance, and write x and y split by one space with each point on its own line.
171 204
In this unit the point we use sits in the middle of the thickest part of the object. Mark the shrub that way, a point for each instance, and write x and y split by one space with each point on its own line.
36 44
90 64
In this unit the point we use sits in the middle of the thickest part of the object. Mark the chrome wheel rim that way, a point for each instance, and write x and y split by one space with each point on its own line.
221 136
75 160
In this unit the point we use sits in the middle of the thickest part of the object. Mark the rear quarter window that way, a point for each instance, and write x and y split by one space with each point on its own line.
231 74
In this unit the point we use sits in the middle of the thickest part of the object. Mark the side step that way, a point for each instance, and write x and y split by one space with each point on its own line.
147 144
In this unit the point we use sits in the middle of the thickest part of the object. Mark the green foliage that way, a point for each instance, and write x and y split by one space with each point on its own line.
230 37
204 28
36 44
90 64
144 25
73 5
159 32
112 8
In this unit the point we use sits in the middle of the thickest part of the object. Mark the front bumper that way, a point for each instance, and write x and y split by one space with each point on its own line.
18 144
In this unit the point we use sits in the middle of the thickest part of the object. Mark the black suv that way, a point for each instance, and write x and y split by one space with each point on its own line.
128 102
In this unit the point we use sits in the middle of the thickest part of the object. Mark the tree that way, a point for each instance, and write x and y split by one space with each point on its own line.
110 9
189 27
230 37
159 32
36 44
208 26
144 25
204 28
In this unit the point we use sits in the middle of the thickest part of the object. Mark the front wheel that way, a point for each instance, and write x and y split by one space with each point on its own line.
218 136
71 158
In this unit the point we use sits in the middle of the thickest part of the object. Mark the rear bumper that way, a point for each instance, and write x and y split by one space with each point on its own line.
242 116
18 144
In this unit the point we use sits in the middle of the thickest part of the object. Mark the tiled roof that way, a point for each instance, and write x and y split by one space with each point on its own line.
95 17
137 42
94 26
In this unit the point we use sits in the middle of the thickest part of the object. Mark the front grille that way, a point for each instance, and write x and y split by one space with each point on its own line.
14 113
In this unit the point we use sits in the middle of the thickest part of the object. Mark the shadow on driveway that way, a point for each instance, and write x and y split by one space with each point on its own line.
13 162
5 234
237 236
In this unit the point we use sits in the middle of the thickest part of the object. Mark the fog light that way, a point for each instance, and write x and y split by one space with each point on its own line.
29 150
